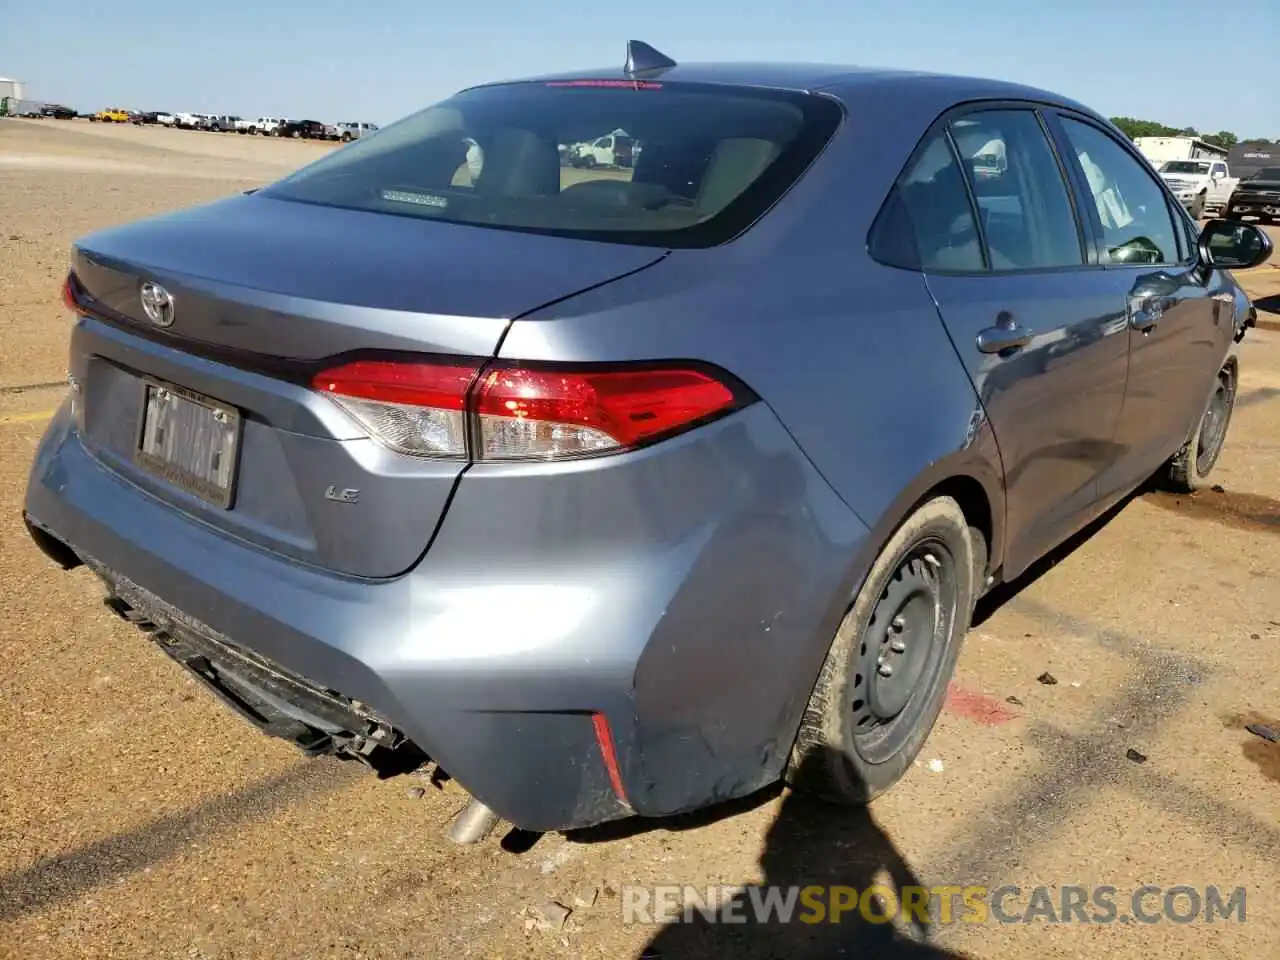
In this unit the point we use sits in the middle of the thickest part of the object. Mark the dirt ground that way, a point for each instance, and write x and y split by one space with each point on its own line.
139 818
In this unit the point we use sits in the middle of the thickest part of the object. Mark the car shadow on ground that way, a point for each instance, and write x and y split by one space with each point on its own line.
1268 304
840 853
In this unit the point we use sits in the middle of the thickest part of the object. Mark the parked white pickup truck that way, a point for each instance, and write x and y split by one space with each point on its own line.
354 131
1202 186
266 126
618 149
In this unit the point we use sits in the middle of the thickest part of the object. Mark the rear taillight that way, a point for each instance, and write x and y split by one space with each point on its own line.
511 412
414 408
69 294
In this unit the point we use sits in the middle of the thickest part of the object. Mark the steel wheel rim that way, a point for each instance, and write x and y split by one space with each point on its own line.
901 650
1213 429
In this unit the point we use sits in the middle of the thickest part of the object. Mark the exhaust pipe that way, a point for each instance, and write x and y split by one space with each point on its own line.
473 824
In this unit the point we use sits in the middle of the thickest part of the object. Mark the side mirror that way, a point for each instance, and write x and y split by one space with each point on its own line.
1229 245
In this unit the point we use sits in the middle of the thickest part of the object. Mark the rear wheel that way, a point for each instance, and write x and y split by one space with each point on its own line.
885 678
1190 467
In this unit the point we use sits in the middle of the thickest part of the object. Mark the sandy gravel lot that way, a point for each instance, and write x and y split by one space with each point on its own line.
139 818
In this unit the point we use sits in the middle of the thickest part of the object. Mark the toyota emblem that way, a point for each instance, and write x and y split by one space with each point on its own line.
157 303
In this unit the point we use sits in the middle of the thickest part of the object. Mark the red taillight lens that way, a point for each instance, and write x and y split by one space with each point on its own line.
544 413
522 413
413 384
414 408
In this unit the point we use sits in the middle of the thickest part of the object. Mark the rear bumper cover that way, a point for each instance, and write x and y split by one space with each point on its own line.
686 594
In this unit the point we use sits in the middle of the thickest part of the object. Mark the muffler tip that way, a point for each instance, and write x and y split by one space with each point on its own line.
473 824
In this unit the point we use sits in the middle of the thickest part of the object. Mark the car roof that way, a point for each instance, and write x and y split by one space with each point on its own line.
844 81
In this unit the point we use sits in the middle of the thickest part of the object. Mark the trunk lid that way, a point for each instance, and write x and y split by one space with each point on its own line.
264 292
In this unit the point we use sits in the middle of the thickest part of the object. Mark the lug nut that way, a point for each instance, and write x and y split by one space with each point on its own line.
898 623
897 646
885 670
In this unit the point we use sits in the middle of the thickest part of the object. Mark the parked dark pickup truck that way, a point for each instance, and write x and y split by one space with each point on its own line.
57 111
1257 195
305 129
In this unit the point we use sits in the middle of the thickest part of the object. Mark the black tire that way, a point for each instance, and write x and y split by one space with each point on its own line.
1190 467
862 729
589 162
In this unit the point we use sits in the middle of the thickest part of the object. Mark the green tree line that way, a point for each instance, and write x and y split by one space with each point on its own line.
1151 128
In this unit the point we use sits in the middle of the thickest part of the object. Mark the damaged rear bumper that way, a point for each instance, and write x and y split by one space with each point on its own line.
660 665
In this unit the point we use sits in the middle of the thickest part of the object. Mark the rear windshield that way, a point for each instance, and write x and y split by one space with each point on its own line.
1185 166
1266 173
673 165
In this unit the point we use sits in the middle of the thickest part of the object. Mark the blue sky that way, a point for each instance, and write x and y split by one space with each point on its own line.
380 59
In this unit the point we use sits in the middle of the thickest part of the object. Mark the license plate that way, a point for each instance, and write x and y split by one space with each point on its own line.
190 441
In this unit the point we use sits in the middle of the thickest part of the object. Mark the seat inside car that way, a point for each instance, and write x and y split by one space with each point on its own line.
519 163
736 163
943 220
677 166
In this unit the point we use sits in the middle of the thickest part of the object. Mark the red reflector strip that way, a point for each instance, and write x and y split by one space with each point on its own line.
443 387
604 738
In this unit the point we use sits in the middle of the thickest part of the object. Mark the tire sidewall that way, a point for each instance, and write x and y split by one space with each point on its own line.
1186 474
1230 380
857 778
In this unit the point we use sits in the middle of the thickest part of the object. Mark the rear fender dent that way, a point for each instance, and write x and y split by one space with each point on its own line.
973 475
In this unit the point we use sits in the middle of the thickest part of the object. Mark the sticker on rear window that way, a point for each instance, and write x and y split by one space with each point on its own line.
421 199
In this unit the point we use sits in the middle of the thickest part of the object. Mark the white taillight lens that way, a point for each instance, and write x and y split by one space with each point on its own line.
419 431
503 438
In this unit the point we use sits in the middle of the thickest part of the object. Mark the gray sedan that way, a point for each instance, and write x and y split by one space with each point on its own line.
627 490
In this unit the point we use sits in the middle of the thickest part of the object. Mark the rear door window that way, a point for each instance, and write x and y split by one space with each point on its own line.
1018 185
675 165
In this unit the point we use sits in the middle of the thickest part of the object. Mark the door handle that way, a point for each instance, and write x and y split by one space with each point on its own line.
1146 312
1004 337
